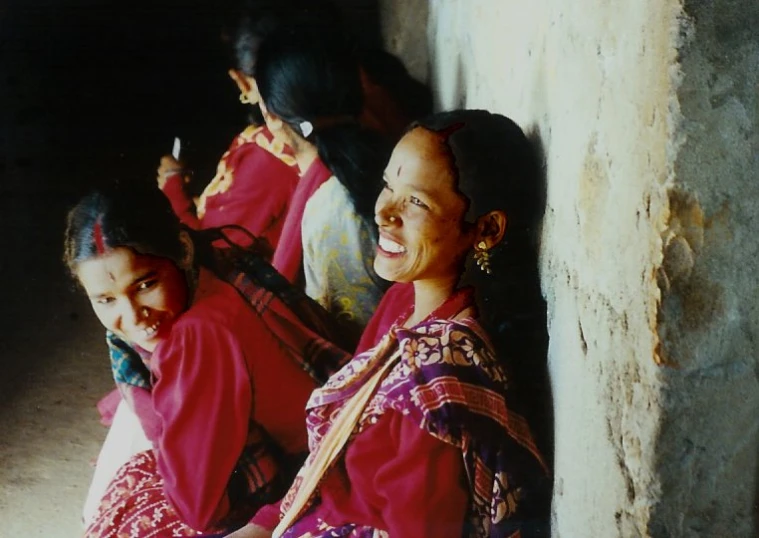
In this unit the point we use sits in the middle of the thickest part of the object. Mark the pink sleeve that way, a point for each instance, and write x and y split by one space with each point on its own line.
413 479
183 207
141 402
203 398
268 516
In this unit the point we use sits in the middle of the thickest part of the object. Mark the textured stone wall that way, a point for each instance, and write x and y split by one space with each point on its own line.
647 112
708 451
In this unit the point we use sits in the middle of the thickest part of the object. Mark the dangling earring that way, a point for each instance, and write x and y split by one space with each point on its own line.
244 99
482 257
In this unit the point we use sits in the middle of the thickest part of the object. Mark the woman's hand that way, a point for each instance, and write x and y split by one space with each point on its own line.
250 531
168 167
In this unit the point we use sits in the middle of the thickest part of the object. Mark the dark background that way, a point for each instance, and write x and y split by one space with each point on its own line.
91 91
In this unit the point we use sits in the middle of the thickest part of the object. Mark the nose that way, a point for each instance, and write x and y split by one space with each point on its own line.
132 313
385 213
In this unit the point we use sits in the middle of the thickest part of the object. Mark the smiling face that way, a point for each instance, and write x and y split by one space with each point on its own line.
420 214
136 296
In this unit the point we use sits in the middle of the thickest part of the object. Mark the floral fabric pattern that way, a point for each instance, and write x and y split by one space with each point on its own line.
449 382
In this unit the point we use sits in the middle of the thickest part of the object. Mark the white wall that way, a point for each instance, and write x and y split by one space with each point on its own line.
597 81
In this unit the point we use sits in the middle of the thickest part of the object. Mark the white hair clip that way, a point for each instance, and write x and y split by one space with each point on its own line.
306 128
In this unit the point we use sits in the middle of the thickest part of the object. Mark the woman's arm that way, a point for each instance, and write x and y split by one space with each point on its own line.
203 396
181 204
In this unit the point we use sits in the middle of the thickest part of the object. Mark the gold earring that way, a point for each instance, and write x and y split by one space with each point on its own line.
244 99
482 257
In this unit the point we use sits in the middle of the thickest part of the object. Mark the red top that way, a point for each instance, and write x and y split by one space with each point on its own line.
254 182
392 458
394 477
288 257
397 299
219 368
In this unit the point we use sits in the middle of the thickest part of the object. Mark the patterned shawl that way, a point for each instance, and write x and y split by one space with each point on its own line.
450 383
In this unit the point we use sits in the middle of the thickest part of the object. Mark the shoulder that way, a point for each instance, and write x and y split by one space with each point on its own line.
330 194
261 137
459 348
329 205
217 309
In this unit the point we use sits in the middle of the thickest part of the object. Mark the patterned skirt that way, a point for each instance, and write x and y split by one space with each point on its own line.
134 505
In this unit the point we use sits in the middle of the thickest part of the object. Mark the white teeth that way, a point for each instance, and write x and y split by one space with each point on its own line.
150 331
391 246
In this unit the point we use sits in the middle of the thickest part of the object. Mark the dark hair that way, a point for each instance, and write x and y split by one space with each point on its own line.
257 20
498 168
306 76
116 216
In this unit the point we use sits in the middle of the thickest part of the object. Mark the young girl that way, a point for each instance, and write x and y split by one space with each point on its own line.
217 393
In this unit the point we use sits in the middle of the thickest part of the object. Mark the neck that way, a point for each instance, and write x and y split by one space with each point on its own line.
306 154
428 295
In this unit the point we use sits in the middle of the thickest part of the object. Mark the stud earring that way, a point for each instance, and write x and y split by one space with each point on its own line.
482 257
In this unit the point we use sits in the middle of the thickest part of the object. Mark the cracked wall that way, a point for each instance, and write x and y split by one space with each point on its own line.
647 114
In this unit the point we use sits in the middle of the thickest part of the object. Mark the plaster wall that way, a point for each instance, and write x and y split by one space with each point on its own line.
642 389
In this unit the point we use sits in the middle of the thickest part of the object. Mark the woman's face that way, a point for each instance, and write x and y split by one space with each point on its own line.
137 296
420 213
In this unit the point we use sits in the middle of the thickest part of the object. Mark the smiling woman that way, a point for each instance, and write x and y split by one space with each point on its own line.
419 435
137 297
199 367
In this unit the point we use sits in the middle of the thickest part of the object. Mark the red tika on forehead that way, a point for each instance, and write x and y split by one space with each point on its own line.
97 234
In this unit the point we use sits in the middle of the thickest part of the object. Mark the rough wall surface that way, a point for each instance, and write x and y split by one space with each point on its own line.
599 83
708 452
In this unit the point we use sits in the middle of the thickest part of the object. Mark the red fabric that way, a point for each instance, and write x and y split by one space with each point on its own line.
107 406
268 516
142 515
257 198
395 477
219 366
397 300
288 257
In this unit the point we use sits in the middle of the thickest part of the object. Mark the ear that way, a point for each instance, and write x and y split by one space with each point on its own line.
240 79
188 247
490 228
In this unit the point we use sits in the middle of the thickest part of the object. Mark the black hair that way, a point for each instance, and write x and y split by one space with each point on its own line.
128 215
304 76
497 167
256 20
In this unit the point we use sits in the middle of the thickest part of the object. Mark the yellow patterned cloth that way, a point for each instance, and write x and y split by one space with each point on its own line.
338 257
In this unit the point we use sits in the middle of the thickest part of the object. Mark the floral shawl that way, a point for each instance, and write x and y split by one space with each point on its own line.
449 381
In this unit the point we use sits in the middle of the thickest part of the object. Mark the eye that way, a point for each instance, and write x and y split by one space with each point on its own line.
146 284
104 300
416 201
386 186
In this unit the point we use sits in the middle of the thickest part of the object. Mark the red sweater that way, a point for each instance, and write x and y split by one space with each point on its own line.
254 182
219 368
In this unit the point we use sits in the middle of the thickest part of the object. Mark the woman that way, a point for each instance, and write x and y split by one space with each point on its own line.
218 393
256 176
417 436
311 99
